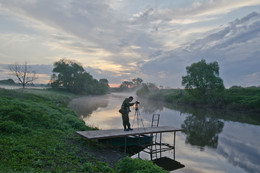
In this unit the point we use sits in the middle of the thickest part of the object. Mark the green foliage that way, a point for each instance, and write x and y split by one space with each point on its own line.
137 81
37 134
237 98
126 85
7 82
243 98
143 91
149 91
173 95
10 127
203 81
93 168
128 165
72 76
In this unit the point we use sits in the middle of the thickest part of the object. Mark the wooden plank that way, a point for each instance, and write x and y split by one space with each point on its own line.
113 133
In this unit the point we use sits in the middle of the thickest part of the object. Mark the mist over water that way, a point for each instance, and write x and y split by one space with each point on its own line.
213 141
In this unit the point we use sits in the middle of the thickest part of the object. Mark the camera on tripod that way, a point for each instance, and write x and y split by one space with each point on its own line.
136 105
137 115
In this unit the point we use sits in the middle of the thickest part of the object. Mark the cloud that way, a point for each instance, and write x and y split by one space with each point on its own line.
83 28
190 12
244 155
234 47
126 38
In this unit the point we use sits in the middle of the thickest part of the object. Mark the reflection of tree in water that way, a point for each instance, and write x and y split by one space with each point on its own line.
84 106
149 106
202 131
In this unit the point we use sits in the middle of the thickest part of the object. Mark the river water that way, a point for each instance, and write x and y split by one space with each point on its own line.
212 141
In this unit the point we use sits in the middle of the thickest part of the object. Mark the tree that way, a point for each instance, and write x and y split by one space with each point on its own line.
68 72
72 76
203 81
131 84
137 82
7 82
103 85
23 73
147 89
126 84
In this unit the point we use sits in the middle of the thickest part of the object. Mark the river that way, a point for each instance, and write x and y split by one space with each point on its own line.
212 141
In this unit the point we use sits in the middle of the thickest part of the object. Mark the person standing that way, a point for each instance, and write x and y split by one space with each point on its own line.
125 109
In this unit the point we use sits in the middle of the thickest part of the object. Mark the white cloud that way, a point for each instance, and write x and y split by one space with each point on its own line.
130 37
235 48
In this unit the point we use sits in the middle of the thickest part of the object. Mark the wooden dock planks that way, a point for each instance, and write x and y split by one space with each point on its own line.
113 133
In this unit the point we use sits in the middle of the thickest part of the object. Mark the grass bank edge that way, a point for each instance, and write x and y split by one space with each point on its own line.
38 135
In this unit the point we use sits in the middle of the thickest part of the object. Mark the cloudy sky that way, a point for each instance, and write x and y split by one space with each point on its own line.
125 39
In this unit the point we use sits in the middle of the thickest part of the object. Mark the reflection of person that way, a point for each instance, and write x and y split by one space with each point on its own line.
125 109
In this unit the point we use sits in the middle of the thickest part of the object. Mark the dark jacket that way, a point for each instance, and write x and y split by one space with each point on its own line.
125 108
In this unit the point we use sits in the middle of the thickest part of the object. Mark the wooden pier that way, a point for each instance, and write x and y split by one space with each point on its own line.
152 149
114 133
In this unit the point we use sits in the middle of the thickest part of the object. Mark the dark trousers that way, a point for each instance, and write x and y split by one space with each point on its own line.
125 118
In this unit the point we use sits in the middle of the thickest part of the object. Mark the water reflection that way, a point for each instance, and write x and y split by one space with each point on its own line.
150 107
214 141
84 106
202 131
239 144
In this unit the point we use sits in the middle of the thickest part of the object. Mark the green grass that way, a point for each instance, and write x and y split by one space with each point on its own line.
37 134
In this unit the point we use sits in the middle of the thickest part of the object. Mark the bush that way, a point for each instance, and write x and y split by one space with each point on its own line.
128 165
247 98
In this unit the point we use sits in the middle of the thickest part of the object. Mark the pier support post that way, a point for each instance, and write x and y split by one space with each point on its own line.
174 145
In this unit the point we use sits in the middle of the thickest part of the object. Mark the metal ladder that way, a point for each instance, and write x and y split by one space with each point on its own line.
153 147
155 120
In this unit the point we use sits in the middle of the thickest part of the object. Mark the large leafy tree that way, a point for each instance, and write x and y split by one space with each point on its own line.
202 81
66 74
72 76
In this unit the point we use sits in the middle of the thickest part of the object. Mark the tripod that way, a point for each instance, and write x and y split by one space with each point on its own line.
137 116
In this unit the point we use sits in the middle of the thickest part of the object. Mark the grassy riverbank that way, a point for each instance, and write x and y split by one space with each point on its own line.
37 134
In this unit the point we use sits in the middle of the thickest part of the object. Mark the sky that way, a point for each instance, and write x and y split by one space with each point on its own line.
126 39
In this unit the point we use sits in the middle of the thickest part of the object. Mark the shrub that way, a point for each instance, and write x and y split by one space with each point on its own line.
128 165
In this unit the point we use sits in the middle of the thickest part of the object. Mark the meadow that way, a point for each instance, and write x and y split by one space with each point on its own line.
38 134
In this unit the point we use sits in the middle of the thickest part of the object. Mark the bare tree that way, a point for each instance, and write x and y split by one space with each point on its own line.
23 73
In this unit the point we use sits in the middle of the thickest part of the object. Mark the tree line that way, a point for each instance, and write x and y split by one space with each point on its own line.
202 84
69 75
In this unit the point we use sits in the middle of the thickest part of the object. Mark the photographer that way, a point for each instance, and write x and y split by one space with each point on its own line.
125 109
